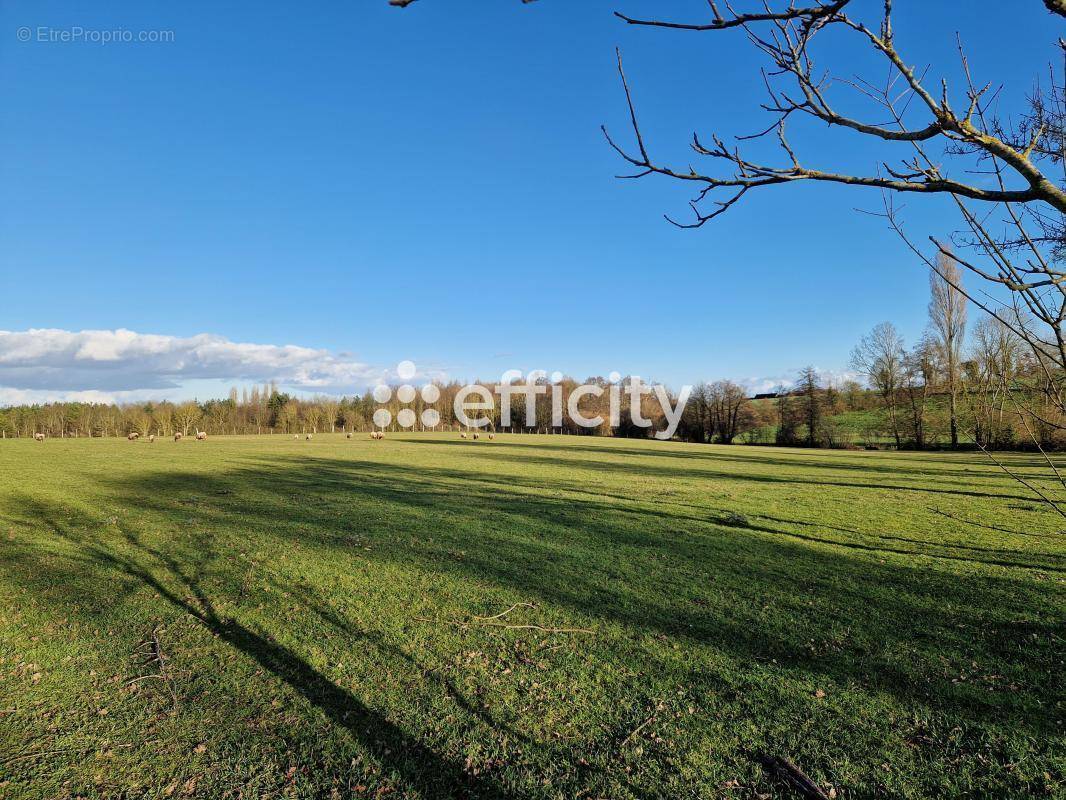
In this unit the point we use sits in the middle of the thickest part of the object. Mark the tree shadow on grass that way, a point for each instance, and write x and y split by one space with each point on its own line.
707 471
757 592
597 502
137 564
601 561
908 463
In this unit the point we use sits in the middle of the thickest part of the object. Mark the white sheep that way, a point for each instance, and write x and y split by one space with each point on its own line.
309 437
151 438
39 437
492 435
178 436
347 436
476 435
201 436
462 435
133 436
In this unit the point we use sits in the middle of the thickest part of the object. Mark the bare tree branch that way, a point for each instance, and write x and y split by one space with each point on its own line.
738 20
787 45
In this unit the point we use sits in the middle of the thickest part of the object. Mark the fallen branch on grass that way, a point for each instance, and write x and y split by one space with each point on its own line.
474 623
157 658
494 622
135 681
508 611
658 707
63 751
784 770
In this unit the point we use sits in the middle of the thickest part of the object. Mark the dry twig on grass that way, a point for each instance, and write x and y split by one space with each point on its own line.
787 772
659 706
155 658
494 622
62 751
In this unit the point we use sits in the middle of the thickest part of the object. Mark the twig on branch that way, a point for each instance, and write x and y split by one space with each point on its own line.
1031 487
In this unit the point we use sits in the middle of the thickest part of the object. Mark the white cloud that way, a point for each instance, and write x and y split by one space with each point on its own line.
19 397
773 382
47 364
50 364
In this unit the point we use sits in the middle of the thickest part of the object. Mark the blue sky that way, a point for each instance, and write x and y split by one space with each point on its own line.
431 184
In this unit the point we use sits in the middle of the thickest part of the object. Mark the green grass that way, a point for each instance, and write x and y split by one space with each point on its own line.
891 622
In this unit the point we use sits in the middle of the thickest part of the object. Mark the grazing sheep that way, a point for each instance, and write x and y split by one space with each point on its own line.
201 436
296 436
462 435
133 436
492 435
477 435
151 438
39 437
347 436
178 436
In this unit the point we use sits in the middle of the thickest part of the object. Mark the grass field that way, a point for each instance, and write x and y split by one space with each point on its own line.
264 617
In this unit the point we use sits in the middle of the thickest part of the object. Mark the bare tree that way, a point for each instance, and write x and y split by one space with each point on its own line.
1019 163
920 367
727 402
880 356
699 422
163 416
785 37
810 387
329 408
142 421
947 319
1016 155
186 415
311 415
995 364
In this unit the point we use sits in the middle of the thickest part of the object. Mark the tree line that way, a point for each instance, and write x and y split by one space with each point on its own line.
267 410
946 390
981 388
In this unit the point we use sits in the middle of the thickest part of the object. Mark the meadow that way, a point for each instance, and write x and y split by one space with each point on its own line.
531 617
